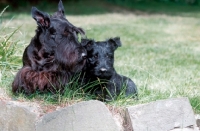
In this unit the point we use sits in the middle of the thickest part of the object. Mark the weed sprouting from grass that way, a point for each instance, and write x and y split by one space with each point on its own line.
8 48
195 103
3 11
7 52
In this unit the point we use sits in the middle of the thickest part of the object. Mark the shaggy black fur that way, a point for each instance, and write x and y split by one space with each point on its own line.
53 55
100 66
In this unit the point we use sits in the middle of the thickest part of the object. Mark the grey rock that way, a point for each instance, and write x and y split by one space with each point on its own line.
18 116
198 122
84 116
161 115
197 119
119 121
185 129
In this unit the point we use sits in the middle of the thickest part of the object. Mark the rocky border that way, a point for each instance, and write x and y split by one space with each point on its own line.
163 115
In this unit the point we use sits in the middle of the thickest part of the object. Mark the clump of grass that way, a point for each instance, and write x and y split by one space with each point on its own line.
75 91
7 51
122 99
195 102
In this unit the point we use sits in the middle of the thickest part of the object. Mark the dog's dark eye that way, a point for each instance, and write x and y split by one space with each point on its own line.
95 56
52 31
66 33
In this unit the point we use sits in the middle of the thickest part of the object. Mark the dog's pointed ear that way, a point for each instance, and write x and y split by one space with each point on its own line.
87 43
116 42
42 19
61 9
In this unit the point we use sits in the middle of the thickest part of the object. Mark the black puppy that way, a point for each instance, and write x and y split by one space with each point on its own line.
100 65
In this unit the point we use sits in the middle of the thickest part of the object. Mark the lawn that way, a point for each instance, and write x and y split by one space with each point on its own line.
160 52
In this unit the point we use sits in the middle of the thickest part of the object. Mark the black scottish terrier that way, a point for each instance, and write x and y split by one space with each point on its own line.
53 55
100 65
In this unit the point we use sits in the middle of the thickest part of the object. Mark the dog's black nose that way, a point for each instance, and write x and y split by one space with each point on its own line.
103 69
84 55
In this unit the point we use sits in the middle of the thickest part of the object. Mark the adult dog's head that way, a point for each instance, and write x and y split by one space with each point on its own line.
55 25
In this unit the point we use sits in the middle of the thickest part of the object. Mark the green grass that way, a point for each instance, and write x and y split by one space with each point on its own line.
160 52
73 92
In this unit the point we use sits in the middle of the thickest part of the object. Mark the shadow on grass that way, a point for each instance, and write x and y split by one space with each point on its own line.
90 7
86 7
162 7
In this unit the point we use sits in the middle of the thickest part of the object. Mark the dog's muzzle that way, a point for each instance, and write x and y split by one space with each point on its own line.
103 70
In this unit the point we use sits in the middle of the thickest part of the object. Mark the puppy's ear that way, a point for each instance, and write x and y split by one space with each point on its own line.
87 43
61 9
42 19
115 42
